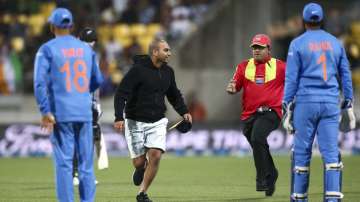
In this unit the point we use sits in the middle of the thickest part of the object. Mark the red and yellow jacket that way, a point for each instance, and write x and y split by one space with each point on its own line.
263 84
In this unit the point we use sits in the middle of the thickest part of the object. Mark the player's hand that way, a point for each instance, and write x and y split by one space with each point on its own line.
231 87
287 120
119 126
347 120
187 117
47 123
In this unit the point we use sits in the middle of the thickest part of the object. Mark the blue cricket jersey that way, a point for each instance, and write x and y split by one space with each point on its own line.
316 61
65 74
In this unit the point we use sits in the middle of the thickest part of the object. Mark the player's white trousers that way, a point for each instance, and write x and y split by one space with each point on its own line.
65 139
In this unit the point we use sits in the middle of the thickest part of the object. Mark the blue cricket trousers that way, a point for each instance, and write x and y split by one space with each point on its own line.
322 120
67 137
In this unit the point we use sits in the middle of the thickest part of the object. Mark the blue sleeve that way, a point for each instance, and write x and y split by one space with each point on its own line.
96 75
345 75
293 66
41 73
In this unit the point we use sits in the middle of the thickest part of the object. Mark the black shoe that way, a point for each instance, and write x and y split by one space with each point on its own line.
271 183
143 197
138 176
261 185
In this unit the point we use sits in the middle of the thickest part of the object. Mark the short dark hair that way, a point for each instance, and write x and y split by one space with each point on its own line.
155 44
314 24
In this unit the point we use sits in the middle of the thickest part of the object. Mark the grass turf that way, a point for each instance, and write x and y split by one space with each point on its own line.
204 179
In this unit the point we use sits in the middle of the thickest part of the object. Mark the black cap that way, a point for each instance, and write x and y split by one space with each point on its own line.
184 126
88 35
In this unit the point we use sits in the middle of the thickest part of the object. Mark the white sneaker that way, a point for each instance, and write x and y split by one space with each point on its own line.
76 181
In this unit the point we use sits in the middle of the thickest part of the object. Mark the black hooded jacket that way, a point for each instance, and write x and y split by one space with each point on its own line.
143 89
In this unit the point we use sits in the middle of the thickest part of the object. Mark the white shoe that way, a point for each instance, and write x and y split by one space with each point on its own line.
76 181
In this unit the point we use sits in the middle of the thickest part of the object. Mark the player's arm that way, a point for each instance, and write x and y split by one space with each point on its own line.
96 112
345 76
347 104
176 99
96 107
236 83
291 85
96 75
123 92
291 74
41 71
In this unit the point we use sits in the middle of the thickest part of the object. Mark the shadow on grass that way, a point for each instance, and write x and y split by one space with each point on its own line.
102 183
254 199
23 183
249 199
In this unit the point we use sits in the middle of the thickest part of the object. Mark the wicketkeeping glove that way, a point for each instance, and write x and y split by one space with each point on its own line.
287 120
347 120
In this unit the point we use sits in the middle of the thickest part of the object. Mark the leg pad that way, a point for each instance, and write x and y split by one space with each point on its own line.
299 196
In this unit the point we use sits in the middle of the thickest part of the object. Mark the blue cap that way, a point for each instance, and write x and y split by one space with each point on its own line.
61 17
312 12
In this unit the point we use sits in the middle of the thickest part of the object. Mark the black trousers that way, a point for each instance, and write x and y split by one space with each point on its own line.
256 129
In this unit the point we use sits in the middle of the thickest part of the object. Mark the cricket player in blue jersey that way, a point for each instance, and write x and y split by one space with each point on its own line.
65 74
316 64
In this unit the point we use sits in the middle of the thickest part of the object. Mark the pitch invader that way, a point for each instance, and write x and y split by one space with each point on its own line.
316 63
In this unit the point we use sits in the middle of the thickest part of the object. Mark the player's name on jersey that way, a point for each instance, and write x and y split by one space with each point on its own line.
318 46
72 52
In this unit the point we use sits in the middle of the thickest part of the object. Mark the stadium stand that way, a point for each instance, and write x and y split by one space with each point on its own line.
195 30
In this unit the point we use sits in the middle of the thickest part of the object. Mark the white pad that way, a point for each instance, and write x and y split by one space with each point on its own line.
334 195
301 169
298 196
334 166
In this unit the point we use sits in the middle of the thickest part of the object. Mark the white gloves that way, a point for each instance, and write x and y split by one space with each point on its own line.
287 120
347 118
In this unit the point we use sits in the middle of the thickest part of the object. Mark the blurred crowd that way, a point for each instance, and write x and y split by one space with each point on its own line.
343 23
124 28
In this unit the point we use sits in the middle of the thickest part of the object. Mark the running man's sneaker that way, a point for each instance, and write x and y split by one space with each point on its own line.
143 197
138 176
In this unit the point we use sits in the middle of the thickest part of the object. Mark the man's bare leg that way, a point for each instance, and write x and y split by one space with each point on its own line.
154 156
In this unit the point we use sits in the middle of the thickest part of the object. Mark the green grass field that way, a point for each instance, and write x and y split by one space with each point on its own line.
206 179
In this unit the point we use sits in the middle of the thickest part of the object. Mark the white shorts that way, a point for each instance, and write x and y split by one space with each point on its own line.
141 136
